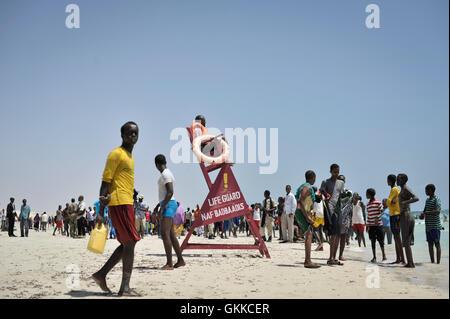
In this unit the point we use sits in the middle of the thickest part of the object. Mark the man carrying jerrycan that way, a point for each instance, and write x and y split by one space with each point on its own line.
116 193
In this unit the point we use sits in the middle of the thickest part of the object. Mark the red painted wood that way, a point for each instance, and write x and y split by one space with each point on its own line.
224 201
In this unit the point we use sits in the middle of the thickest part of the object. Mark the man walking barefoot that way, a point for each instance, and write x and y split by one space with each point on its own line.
116 192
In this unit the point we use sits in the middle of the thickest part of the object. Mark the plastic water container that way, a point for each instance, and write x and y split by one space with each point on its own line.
97 240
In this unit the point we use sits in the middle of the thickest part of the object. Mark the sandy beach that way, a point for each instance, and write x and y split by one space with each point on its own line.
46 266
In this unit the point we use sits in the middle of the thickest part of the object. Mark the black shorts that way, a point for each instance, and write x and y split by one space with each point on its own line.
376 233
395 224
335 225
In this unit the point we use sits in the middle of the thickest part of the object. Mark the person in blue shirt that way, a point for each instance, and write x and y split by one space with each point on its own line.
385 219
23 218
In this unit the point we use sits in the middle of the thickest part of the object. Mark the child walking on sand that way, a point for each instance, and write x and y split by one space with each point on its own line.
374 224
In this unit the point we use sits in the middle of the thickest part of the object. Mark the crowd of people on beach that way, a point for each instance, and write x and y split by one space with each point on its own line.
330 213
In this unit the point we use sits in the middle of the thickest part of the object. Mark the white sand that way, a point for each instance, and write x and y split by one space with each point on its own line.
35 267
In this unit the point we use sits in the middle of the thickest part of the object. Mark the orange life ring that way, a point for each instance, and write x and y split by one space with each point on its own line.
194 125
196 148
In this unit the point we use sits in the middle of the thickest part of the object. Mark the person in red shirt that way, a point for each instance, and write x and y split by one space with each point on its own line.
147 221
374 224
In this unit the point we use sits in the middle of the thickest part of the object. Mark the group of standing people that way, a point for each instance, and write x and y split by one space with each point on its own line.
337 211
26 222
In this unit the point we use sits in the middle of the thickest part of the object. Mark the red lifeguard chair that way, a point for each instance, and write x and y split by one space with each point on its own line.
224 201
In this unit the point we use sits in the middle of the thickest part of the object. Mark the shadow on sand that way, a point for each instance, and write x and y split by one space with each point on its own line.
84 293
209 255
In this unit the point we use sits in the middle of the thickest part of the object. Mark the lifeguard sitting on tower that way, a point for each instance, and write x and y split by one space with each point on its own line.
208 148
225 199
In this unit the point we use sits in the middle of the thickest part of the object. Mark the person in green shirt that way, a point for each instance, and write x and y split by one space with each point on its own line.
23 218
431 214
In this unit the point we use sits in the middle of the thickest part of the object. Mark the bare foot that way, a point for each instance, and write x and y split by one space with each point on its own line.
342 259
179 264
166 267
311 265
409 266
101 282
129 293
319 248
396 262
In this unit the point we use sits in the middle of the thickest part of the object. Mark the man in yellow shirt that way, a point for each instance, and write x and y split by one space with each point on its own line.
394 213
116 192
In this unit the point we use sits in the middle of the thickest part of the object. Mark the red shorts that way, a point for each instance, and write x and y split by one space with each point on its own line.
358 228
123 220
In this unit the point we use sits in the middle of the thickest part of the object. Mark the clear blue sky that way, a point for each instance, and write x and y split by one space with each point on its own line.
373 101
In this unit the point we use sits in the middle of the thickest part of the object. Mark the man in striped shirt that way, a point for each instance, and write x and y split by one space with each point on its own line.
374 223
431 213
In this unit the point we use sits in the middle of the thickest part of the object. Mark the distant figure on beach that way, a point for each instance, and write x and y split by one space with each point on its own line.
166 209
345 201
392 203
257 214
431 213
305 198
334 187
406 197
73 218
81 220
116 192
3 220
280 213
140 209
374 223
23 218
268 208
386 222
358 218
91 213
147 222
44 221
318 218
59 221
11 217
287 219
66 219
36 221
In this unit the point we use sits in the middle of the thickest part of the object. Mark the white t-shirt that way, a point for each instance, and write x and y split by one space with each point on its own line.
166 177
91 216
81 207
318 209
44 218
357 217
256 214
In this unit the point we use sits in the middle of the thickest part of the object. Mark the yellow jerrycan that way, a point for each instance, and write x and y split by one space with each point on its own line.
97 240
